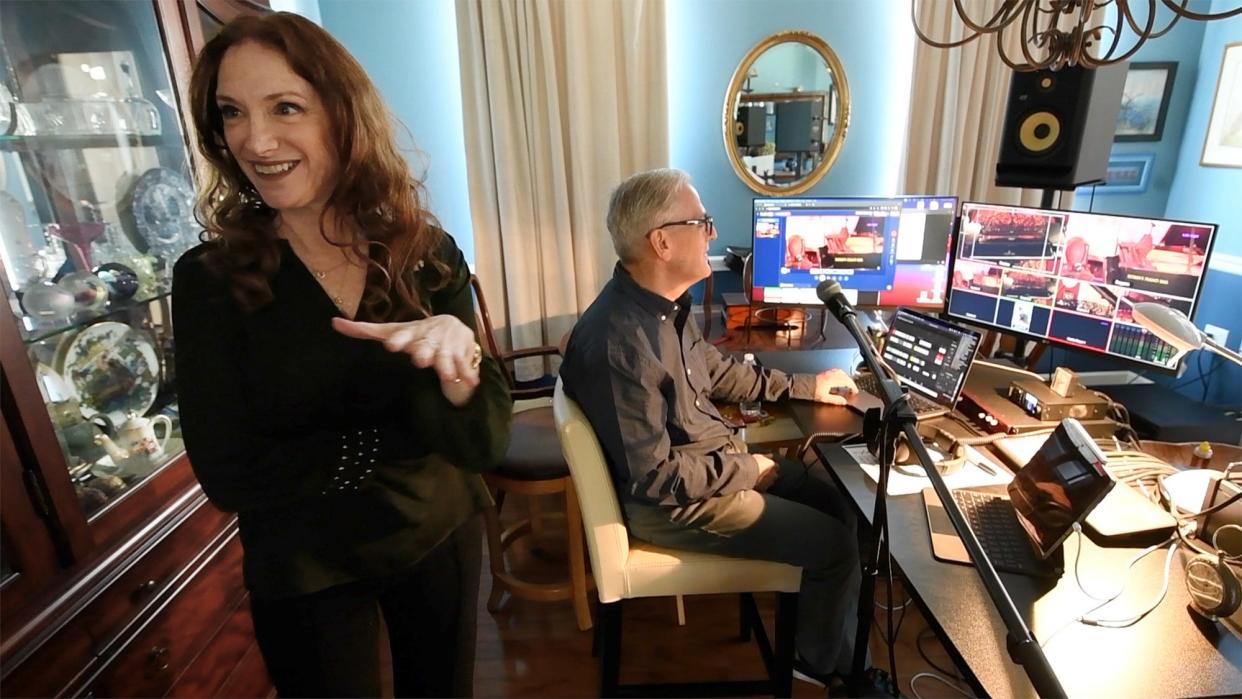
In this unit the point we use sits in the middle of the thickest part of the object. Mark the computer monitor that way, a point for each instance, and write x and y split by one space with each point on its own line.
924 237
889 251
1073 278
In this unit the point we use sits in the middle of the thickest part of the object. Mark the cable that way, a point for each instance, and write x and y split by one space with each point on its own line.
1082 618
939 679
1130 621
918 644
812 439
1214 508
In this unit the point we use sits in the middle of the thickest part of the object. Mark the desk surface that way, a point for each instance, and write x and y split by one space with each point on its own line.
1167 654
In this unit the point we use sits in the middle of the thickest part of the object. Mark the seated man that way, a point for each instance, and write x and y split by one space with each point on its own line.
645 378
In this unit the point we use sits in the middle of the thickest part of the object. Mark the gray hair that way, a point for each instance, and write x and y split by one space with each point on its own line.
635 205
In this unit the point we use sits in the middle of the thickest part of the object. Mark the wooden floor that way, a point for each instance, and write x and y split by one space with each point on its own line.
531 649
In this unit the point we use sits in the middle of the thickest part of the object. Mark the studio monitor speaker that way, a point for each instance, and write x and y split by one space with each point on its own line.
750 126
1059 126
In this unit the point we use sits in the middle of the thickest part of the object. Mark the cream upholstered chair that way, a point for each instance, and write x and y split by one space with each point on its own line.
626 569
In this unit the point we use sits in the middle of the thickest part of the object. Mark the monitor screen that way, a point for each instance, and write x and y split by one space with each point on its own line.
799 242
1073 278
924 236
931 356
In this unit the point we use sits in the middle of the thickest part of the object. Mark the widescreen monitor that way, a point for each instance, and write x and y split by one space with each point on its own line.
1073 278
884 251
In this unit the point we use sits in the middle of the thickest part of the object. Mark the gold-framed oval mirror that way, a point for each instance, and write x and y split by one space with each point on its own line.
786 112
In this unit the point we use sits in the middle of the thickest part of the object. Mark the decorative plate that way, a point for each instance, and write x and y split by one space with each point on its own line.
114 369
163 208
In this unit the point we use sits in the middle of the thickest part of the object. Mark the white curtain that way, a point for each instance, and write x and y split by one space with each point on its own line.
957 110
562 99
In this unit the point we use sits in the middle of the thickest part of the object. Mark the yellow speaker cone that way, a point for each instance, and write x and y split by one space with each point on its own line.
1039 131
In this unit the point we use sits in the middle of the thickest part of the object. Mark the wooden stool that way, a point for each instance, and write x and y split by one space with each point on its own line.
534 466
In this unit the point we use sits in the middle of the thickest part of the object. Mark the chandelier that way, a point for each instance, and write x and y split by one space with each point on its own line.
1054 34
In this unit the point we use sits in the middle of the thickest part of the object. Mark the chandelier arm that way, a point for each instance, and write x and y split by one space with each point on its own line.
1123 7
1169 26
1201 16
914 19
1002 15
1030 15
1116 30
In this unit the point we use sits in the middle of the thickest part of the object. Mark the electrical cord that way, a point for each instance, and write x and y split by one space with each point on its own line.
1082 618
1132 620
918 644
938 678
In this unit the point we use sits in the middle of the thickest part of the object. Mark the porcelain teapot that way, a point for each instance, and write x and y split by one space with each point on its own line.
137 435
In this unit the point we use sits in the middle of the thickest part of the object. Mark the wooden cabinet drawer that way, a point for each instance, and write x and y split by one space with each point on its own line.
110 612
230 664
150 663
51 669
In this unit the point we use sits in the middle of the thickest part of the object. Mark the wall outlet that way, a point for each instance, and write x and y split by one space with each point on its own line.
1217 333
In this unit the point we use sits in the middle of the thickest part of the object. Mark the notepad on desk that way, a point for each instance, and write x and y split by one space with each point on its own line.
1123 516
978 470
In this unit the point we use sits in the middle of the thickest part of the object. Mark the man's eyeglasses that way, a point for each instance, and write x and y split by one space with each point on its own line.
708 223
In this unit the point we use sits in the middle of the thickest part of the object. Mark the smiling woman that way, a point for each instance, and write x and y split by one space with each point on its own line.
329 375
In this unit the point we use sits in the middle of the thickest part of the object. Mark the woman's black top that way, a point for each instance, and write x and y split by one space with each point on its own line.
343 461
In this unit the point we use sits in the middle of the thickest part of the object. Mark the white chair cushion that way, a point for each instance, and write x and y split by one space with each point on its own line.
625 568
653 571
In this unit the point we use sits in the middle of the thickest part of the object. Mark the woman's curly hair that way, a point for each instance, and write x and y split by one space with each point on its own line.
374 189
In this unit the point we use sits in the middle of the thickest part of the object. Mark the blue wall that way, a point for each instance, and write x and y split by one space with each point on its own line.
1182 46
1211 194
707 40
410 51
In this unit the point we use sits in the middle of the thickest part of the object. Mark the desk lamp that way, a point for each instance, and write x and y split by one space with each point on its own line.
1175 328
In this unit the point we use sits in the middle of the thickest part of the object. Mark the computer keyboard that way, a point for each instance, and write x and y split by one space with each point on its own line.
921 406
1006 543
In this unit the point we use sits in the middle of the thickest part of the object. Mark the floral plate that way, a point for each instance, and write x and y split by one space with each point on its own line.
114 369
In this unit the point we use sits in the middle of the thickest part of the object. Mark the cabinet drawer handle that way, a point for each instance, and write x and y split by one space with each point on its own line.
145 589
158 658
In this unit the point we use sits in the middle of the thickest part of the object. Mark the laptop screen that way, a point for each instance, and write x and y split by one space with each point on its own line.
931 356
1057 488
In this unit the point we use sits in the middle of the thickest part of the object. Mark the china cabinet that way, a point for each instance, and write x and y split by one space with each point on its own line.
117 577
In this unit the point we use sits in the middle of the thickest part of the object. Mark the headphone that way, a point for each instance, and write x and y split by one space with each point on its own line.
953 456
1213 585
1211 579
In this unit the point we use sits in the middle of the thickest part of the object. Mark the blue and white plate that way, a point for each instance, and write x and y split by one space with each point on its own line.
163 208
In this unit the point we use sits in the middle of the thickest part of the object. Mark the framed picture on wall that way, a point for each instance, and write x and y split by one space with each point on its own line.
1127 173
1222 147
1145 101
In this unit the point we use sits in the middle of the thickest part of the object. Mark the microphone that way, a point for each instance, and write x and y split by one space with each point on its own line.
829 292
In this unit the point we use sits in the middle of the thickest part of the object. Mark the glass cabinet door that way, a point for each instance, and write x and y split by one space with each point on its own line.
96 205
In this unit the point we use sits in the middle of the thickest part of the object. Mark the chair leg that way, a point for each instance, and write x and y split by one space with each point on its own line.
610 653
577 559
681 610
786 628
538 533
495 555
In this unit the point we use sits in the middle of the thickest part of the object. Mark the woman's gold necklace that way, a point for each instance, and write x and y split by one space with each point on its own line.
321 276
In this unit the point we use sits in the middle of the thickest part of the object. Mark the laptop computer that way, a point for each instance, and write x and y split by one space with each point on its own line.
930 356
1021 532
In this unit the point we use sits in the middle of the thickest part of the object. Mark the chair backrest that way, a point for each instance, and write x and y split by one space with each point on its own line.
520 390
607 538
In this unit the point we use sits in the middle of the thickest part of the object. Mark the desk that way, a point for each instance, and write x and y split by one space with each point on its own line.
1166 654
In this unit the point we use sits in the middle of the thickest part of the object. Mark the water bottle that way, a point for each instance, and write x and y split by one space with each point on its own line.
751 410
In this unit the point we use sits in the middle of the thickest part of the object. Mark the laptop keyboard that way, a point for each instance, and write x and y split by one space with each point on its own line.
995 525
921 406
